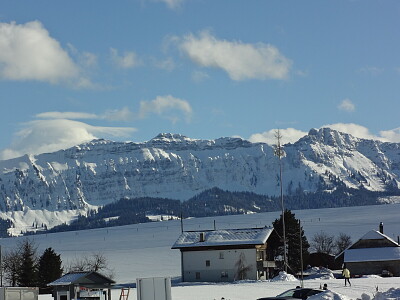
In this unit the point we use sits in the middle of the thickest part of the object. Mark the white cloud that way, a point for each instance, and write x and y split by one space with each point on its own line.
167 64
126 61
289 135
166 106
355 130
241 61
28 52
172 4
199 76
392 135
66 115
123 114
42 136
88 59
347 105
374 71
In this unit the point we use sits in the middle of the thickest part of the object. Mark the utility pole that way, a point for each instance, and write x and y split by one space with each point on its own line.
1 268
301 255
279 152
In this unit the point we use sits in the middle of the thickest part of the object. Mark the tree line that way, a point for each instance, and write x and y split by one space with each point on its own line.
24 266
212 202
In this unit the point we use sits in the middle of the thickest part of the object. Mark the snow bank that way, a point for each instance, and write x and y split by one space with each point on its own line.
392 293
371 276
283 276
328 295
319 273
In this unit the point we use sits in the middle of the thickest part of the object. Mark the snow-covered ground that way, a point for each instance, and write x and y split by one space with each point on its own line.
144 250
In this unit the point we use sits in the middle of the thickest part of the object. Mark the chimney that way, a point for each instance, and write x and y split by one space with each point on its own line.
202 237
381 227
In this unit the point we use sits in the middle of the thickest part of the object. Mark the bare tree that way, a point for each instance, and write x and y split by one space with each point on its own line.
323 243
96 261
11 264
342 242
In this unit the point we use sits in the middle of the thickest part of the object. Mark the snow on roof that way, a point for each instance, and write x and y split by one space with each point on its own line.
372 254
224 237
77 277
69 278
376 235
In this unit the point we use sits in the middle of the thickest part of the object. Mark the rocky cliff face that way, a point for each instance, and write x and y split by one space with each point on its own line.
174 166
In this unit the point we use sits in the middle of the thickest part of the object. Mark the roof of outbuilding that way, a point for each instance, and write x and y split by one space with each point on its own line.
223 237
376 235
81 277
372 254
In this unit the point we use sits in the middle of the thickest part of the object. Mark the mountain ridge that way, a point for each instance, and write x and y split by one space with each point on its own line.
177 167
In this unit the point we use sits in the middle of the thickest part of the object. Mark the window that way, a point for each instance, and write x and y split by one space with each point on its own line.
197 275
224 274
221 255
207 263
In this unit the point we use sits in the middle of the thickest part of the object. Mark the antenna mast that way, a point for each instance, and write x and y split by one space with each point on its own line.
279 152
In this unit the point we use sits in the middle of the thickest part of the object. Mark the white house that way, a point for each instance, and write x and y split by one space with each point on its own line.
226 254
373 253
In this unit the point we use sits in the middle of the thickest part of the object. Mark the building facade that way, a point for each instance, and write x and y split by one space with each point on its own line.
226 255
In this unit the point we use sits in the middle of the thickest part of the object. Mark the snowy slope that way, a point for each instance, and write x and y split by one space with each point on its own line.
144 250
174 166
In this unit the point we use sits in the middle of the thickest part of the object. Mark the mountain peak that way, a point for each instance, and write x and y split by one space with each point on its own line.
176 137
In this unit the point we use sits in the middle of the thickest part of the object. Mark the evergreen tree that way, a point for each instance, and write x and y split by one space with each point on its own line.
27 274
49 267
293 229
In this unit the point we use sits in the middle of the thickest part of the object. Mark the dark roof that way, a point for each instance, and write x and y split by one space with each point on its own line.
223 237
82 278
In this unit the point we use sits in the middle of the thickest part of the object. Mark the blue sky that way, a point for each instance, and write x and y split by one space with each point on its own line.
126 70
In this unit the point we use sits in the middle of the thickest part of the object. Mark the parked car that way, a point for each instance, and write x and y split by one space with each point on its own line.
299 293
386 273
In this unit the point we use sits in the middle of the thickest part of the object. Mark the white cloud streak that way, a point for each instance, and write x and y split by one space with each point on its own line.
166 64
123 114
241 61
28 52
126 61
166 106
172 4
41 136
347 105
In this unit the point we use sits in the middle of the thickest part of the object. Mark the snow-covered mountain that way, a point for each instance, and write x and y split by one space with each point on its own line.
174 166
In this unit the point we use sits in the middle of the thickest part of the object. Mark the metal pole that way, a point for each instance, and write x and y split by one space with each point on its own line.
280 153
181 223
1 268
301 255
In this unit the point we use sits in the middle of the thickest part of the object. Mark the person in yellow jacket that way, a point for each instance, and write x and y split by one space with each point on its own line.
346 275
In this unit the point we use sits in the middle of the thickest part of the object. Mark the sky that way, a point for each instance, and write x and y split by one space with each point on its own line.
127 70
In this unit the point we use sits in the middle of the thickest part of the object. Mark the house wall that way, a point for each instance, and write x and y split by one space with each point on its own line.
374 267
222 264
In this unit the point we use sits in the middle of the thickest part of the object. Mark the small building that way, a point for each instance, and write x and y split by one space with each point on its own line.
19 293
82 285
226 254
373 253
